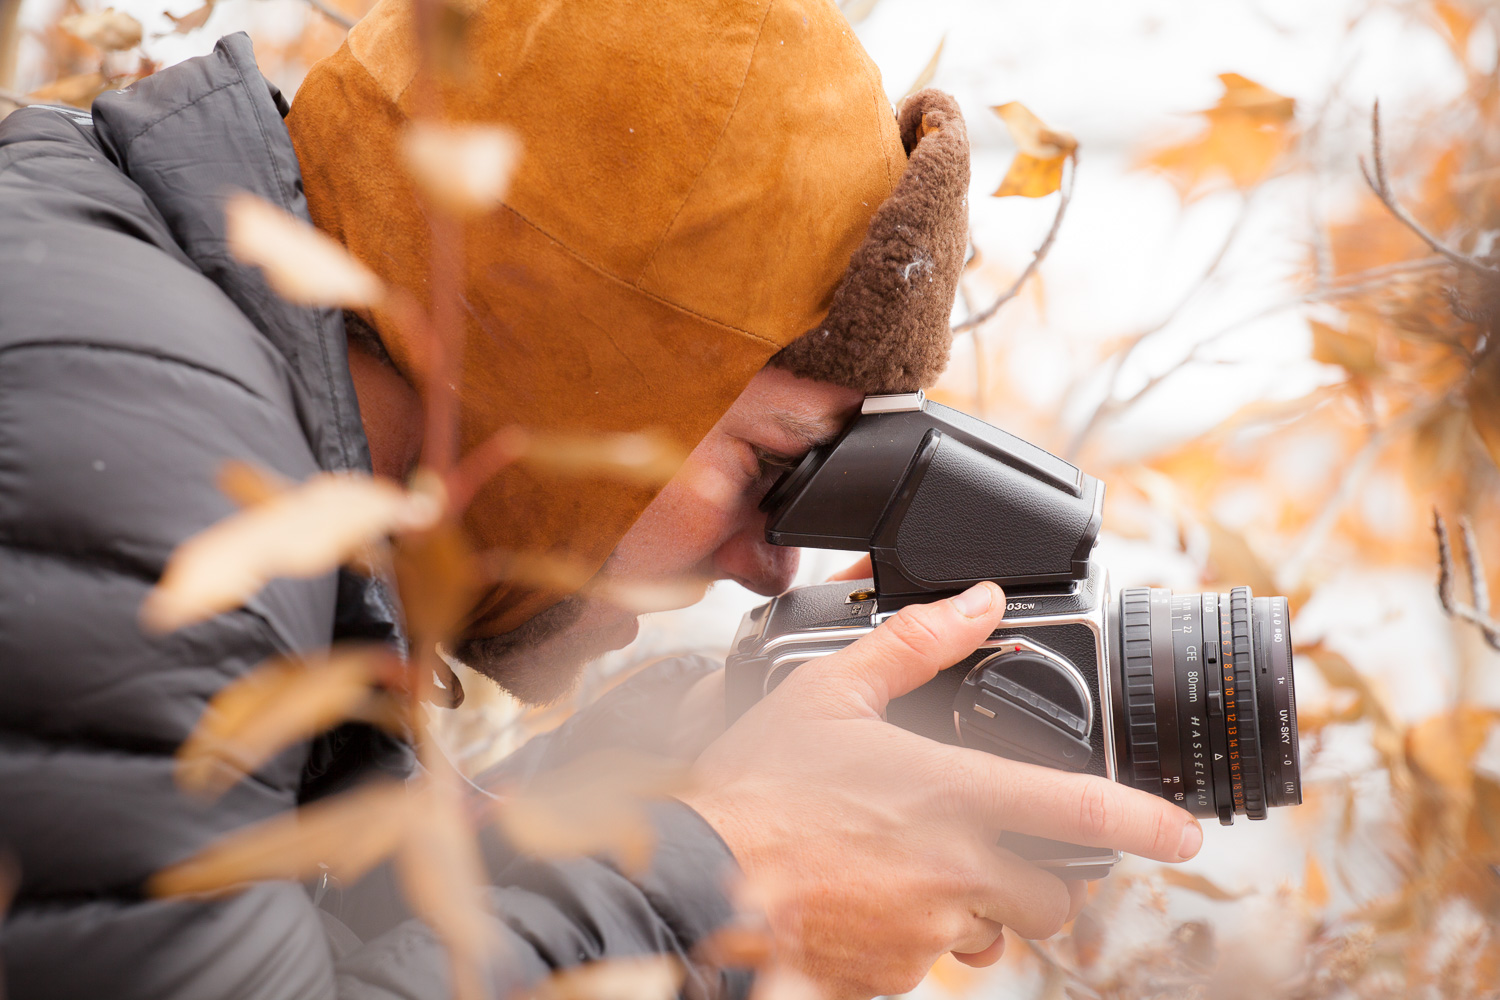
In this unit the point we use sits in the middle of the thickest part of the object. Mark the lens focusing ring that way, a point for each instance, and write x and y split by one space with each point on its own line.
1246 727
1140 689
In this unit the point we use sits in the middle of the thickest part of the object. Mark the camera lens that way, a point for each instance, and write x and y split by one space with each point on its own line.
1206 716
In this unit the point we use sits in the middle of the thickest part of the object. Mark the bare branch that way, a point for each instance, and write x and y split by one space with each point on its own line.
1065 195
1348 286
1380 184
1122 357
1478 613
1294 566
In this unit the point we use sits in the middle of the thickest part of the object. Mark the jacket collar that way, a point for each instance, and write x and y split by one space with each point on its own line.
190 137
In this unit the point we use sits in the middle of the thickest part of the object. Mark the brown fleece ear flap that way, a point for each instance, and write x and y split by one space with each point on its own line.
887 329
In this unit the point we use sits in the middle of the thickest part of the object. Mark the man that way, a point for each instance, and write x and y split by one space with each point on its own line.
720 231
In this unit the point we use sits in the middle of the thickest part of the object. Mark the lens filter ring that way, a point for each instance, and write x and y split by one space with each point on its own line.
1140 689
1278 703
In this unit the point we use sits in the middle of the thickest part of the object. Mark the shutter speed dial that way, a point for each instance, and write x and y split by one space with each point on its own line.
1027 703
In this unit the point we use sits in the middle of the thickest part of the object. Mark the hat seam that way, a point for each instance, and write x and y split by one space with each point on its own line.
675 306
709 159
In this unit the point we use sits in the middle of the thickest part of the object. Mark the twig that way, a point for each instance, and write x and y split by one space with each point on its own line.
338 17
1478 613
1350 285
1290 576
1065 196
1380 184
1122 357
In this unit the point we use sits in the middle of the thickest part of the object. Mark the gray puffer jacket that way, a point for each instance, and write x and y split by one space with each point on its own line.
136 357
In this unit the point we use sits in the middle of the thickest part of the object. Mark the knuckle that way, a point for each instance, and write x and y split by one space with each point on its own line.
912 629
1096 812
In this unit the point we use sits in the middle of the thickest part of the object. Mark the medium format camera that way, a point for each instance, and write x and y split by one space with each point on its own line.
1187 696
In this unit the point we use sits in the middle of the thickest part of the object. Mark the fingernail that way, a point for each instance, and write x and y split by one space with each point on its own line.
1192 839
975 601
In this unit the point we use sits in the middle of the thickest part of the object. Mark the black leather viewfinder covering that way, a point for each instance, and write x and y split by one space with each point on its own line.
941 501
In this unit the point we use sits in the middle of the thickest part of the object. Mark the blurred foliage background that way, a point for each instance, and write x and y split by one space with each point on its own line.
1280 378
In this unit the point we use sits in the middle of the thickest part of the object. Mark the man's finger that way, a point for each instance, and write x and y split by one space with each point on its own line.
985 953
1077 808
855 571
1029 900
911 647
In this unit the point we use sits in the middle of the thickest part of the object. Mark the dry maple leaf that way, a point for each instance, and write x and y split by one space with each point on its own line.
349 835
463 169
78 90
595 805
306 531
1037 169
651 977
277 704
192 20
303 265
109 29
1248 130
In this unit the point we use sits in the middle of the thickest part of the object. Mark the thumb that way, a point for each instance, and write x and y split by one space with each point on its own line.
909 648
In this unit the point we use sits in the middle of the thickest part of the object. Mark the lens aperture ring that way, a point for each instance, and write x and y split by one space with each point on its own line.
1247 724
1140 689
1217 740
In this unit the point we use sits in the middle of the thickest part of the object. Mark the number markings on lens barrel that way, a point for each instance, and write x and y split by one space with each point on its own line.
1187 650
1231 711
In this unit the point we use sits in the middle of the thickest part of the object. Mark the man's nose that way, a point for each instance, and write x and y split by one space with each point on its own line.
751 561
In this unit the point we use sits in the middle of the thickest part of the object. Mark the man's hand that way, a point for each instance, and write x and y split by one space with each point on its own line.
873 849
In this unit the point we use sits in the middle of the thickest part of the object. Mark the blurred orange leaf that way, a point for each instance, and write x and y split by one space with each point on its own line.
1200 884
1248 130
595 805
441 873
1235 563
1314 886
651 977
462 168
1443 747
249 485
1037 169
646 457
192 20
302 264
349 834
277 704
1484 402
1353 353
109 29
78 90
305 531
438 577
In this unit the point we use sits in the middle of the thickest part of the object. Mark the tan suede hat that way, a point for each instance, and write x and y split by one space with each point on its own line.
697 177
